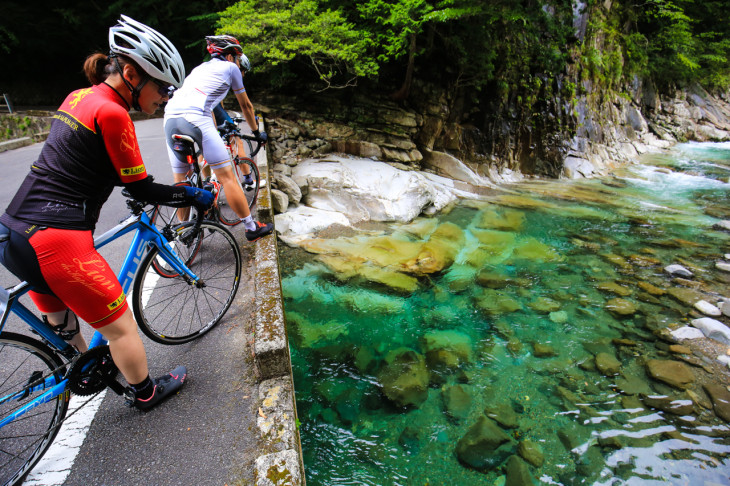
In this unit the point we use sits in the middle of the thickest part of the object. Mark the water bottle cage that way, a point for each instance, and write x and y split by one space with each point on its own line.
61 330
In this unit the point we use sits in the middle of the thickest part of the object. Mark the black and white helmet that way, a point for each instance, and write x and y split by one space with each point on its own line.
148 48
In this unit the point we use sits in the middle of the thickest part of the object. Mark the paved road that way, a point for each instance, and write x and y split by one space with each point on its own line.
204 436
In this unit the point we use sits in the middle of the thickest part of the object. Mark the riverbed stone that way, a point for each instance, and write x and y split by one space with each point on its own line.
673 373
479 447
518 473
633 385
673 405
724 266
713 329
678 271
494 302
720 397
619 307
544 305
447 350
279 200
687 332
684 295
404 377
607 364
457 401
531 452
614 288
707 309
503 414
542 350
644 261
651 289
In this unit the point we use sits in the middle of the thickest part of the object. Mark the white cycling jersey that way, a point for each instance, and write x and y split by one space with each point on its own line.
205 87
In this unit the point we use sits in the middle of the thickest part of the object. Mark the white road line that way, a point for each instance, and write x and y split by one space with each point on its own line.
56 464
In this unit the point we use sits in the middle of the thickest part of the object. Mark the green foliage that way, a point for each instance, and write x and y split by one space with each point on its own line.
278 32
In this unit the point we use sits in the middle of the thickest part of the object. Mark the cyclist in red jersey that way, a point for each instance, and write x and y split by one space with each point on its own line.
91 148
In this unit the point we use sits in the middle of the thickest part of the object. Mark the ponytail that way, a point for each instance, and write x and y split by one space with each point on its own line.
97 68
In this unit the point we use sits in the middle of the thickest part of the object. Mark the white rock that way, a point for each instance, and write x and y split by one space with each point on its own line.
724 306
707 309
713 329
678 270
687 332
453 168
577 167
302 220
727 256
363 189
724 359
724 266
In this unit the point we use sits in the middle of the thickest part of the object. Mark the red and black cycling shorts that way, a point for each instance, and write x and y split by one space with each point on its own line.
66 271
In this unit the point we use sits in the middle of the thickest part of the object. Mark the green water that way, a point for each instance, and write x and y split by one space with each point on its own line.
564 250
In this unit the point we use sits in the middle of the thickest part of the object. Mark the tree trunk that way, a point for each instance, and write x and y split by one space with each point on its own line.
405 88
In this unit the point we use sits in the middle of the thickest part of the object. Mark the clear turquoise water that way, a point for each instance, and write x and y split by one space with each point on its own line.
592 429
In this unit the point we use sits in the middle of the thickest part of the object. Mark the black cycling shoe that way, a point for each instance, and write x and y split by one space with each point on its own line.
165 386
260 231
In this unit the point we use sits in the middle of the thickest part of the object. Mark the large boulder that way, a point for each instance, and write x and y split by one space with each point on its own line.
365 190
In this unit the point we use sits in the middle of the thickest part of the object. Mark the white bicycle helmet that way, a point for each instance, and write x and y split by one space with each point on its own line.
148 48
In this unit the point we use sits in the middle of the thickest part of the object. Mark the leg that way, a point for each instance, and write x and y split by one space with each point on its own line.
234 192
72 324
126 347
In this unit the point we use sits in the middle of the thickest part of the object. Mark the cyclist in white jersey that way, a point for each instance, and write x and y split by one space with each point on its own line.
189 112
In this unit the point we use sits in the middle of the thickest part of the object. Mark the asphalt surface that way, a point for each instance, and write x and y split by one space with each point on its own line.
206 435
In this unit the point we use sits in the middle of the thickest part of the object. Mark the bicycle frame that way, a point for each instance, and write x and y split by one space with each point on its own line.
146 235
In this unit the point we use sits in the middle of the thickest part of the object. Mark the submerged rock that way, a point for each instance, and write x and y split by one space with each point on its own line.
671 372
607 364
621 307
447 350
707 309
404 377
480 446
518 474
457 401
531 452
503 414
720 397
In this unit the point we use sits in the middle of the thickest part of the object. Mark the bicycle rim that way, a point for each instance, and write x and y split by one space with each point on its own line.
173 311
24 441
251 190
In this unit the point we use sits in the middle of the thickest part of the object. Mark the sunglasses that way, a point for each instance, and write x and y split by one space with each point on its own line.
164 89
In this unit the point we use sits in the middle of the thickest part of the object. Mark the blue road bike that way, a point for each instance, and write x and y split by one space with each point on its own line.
38 374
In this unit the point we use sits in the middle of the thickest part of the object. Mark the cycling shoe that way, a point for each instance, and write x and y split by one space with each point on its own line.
165 386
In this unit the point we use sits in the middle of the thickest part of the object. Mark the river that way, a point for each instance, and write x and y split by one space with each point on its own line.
522 335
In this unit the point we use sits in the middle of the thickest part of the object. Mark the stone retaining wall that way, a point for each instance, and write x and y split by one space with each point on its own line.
280 461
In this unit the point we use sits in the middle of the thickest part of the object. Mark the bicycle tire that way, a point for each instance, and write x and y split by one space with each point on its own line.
173 311
24 441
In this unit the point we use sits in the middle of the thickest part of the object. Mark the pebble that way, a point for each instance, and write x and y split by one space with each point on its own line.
724 266
678 270
687 332
707 309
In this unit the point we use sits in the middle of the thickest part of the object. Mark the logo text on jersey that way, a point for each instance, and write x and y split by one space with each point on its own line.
130 171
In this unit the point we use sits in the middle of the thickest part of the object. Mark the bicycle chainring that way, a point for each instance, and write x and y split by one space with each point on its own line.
92 372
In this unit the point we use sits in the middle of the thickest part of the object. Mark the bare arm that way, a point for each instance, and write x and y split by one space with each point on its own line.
247 110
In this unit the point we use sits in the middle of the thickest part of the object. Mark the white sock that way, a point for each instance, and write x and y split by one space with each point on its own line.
248 223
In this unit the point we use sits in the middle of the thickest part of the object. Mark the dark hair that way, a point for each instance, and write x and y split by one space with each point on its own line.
98 67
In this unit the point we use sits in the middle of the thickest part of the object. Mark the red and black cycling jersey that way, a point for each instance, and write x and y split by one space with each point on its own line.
92 147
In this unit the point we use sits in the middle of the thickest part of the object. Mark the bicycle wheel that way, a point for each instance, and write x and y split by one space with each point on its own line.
24 365
174 311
